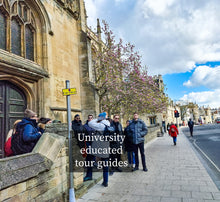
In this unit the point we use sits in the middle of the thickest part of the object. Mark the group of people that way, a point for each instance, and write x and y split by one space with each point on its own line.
131 139
102 133
25 134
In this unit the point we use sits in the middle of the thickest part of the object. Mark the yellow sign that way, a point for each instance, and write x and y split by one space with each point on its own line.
69 91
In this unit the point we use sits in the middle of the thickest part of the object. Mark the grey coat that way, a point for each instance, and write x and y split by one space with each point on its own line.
136 131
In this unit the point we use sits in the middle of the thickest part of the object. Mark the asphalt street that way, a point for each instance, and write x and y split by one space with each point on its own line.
206 141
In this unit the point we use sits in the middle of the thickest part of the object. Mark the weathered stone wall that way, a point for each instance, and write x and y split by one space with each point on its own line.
152 133
41 175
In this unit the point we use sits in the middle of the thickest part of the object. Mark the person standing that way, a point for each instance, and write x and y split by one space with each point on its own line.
190 125
137 129
78 129
89 158
168 127
118 131
100 125
129 147
173 132
27 134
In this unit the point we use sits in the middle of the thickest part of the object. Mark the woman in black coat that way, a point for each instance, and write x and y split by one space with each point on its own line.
129 147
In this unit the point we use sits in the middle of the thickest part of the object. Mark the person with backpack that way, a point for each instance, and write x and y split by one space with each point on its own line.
173 132
27 134
101 125
191 124
7 146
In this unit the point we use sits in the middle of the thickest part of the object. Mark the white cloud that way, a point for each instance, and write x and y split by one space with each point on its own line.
205 76
207 98
171 35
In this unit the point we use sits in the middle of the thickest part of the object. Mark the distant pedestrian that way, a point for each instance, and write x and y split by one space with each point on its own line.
137 129
190 125
129 147
164 126
173 132
168 127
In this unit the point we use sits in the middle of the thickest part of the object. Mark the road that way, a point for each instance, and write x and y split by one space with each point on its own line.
206 140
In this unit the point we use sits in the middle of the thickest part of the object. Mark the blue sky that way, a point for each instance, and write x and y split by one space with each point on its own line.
178 39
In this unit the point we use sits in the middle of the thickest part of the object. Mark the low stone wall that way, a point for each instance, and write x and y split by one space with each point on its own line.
152 133
43 174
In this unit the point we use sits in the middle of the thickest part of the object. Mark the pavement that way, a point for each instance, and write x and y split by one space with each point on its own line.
175 174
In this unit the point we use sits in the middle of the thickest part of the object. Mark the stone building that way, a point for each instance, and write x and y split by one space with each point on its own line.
43 44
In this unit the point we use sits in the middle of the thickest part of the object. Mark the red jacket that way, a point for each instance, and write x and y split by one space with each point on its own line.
173 132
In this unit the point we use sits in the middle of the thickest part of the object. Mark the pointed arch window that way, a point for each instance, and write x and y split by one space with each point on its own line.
17 29
2 31
15 37
29 42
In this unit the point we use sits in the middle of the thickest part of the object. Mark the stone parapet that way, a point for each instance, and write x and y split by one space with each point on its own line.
152 133
42 175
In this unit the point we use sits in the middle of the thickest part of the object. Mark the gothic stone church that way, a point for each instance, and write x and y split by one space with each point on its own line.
43 44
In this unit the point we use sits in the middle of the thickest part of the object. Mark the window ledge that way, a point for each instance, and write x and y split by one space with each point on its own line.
13 64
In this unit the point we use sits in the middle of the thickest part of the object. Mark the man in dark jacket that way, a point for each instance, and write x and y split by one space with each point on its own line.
78 129
116 144
137 129
27 134
191 124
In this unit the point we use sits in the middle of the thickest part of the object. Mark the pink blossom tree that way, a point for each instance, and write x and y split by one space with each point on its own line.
122 83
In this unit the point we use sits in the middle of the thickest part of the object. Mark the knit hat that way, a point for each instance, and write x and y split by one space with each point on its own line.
103 114
29 113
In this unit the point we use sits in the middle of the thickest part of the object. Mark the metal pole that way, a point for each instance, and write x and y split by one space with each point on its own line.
71 186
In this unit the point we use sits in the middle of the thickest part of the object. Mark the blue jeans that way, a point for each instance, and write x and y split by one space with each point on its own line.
131 157
174 139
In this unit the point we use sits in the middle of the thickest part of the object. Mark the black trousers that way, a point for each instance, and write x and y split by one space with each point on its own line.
141 148
191 131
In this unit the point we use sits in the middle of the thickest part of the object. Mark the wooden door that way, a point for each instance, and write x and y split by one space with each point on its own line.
12 105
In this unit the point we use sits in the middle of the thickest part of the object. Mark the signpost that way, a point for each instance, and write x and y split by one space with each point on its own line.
67 92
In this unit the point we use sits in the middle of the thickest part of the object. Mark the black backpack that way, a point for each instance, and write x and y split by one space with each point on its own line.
18 145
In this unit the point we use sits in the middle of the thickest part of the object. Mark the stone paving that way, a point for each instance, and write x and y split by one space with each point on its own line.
175 174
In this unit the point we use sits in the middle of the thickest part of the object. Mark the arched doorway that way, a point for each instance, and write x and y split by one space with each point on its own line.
13 102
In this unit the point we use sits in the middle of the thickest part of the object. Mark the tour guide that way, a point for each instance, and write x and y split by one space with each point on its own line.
137 129
99 125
